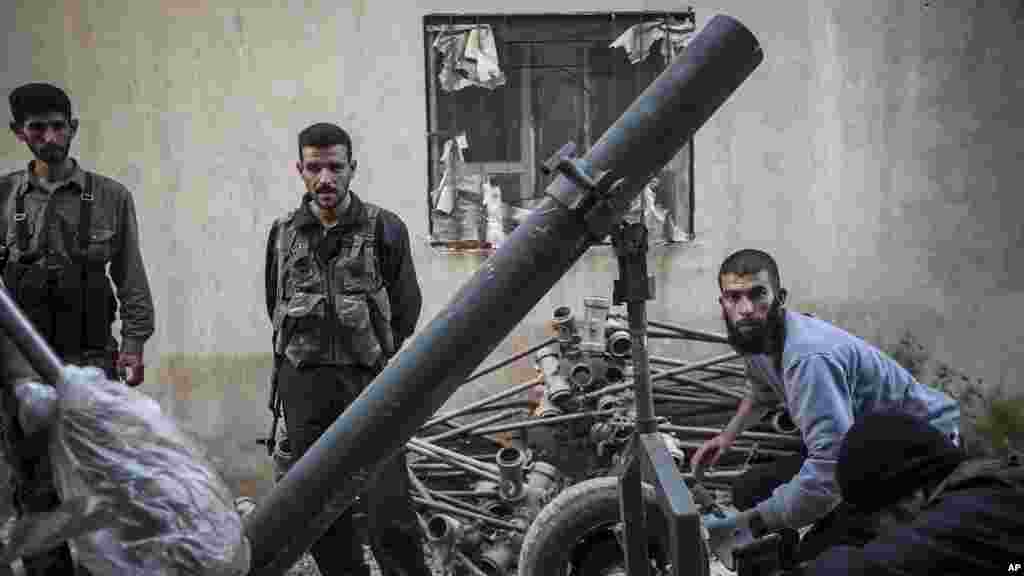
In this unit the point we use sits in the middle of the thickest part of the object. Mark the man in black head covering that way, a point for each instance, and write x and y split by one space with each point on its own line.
934 510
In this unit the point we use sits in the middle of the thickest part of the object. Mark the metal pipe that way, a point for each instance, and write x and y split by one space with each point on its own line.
556 388
620 343
536 422
485 401
467 493
565 324
742 448
509 360
708 386
469 564
498 558
450 455
711 432
323 483
463 505
510 465
467 514
517 404
468 467
471 426
701 335
29 342
419 485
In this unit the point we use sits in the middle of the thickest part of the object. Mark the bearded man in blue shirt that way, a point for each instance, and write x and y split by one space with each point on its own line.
826 378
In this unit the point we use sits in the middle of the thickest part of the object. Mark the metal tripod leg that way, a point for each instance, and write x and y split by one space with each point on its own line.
650 459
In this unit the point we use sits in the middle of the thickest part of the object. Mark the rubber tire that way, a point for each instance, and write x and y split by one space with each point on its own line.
551 540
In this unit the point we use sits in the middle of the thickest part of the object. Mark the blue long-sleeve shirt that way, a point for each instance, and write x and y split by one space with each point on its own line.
829 377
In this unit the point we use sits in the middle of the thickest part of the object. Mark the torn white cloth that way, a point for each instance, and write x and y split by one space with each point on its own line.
502 217
469 58
661 224
453 161
638 38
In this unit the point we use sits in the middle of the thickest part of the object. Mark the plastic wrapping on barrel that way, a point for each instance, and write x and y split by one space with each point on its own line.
170 511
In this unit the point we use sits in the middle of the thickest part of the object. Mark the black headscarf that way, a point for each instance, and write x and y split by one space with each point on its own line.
886 456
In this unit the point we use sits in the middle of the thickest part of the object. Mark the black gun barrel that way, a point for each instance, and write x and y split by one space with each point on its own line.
417 382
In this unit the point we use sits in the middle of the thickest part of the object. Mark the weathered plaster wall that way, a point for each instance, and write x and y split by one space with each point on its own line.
875 152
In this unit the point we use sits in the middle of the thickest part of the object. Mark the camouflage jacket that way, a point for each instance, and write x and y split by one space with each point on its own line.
347 295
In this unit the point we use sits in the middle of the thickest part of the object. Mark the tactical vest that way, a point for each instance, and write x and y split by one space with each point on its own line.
1007 472
69 299
335 312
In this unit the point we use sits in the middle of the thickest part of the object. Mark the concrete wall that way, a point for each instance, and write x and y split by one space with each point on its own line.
875 152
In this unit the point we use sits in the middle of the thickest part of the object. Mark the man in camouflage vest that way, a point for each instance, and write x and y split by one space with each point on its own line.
342 295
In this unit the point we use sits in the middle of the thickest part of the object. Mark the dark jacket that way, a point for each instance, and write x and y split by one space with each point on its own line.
394 253
974 524
114 232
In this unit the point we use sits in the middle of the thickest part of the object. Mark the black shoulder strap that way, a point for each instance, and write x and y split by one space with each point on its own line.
20 218
85 215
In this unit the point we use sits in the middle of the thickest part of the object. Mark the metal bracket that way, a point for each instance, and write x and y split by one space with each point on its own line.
651 460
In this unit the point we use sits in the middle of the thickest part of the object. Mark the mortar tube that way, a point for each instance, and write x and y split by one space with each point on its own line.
595 313
493 398
471 426
443 529
496 559
547 409
614 375
510 464
620 343
555 386
565 324
323 484
581 374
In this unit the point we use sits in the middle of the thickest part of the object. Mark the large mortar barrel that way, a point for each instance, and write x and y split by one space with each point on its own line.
326 480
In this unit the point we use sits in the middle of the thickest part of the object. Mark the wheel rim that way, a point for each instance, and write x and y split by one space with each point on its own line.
600 552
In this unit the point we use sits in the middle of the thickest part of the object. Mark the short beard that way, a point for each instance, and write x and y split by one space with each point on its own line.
51 155
339 202
760 340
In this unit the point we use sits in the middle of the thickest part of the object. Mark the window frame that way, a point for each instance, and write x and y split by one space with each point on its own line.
532 29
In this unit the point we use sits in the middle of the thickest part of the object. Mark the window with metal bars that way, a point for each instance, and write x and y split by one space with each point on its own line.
504 92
